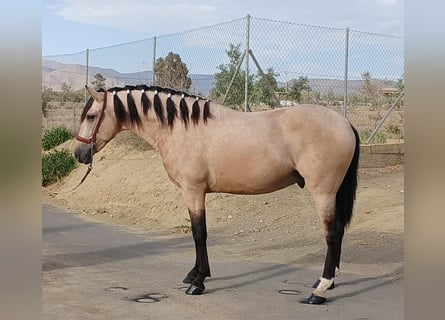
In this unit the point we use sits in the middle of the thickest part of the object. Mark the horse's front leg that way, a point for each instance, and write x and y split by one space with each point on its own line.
201 270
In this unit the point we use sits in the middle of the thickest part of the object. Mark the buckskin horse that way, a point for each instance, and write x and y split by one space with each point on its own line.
207 147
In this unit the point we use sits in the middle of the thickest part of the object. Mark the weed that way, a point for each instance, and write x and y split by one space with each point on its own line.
379 137
56 165
394 129
54 137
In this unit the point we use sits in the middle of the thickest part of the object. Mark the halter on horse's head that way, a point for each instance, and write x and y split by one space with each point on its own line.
92 139
91 121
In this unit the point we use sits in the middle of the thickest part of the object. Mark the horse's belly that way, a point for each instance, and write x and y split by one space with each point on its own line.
249 182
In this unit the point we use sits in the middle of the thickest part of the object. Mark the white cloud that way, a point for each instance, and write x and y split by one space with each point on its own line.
157 17
135 15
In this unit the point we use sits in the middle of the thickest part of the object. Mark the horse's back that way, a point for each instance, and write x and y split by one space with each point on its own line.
316 116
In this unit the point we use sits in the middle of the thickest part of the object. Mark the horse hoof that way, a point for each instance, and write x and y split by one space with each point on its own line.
188 279
194 290
313 299
316 283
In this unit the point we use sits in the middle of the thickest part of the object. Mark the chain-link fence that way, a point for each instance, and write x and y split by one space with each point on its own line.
357 73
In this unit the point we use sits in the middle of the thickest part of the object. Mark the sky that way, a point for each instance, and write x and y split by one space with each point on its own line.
71 26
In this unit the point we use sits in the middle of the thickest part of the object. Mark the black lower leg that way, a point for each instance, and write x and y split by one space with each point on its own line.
340 233
333 241
201 270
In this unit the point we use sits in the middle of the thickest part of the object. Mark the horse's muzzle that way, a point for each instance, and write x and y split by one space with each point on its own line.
84 153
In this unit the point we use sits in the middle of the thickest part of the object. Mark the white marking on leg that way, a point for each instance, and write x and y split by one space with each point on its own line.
337 271
325 284
322 287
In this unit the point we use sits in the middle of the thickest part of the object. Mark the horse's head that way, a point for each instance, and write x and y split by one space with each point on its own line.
98 126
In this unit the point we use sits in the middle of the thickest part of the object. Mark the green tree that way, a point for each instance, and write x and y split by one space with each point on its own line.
265 87
330 97
47 95
171 72
77 96
297 88
66 92
98 82
235 96
368 90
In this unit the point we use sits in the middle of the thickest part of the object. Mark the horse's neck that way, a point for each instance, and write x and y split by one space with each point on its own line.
149 131
157 134
221 112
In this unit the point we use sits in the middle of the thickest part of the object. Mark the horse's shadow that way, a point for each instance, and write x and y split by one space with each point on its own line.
261 274
374 283
278 271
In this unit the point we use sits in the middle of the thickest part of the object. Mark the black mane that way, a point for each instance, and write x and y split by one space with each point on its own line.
165 109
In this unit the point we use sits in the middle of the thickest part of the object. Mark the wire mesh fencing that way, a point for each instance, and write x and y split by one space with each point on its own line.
375 73
255 64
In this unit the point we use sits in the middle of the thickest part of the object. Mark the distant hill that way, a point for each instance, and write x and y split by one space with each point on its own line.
54 74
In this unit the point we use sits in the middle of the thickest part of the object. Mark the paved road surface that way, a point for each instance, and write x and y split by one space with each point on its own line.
97 271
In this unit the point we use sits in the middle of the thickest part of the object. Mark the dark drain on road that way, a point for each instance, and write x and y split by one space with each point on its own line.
290 282
113 289
290 292
149 298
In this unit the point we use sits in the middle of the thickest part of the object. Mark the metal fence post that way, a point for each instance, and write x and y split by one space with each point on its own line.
85 90
246 55
86 72
345 98
153 79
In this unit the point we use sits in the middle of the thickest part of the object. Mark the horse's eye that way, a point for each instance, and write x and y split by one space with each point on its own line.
91 117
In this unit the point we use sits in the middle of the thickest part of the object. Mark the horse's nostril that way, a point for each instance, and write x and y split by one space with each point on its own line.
82 156
76 154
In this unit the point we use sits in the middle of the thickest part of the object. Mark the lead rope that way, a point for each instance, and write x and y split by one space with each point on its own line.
91 142
90 167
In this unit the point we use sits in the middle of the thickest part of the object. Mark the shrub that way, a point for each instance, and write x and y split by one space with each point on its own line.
55 136
379 137
56 165
394 129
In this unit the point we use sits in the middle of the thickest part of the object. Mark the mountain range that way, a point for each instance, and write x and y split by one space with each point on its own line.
55 74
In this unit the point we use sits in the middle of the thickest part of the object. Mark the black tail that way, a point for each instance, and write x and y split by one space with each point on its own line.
346 193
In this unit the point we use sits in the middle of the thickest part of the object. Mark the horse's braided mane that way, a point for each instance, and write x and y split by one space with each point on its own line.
166 111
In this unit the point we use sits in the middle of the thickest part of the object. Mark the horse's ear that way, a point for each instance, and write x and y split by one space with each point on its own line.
96 95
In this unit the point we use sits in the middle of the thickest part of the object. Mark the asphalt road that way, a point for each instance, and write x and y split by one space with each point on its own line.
97 271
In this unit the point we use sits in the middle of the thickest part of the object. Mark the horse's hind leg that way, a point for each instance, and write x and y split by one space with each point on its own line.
201 270
334 231
340 233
